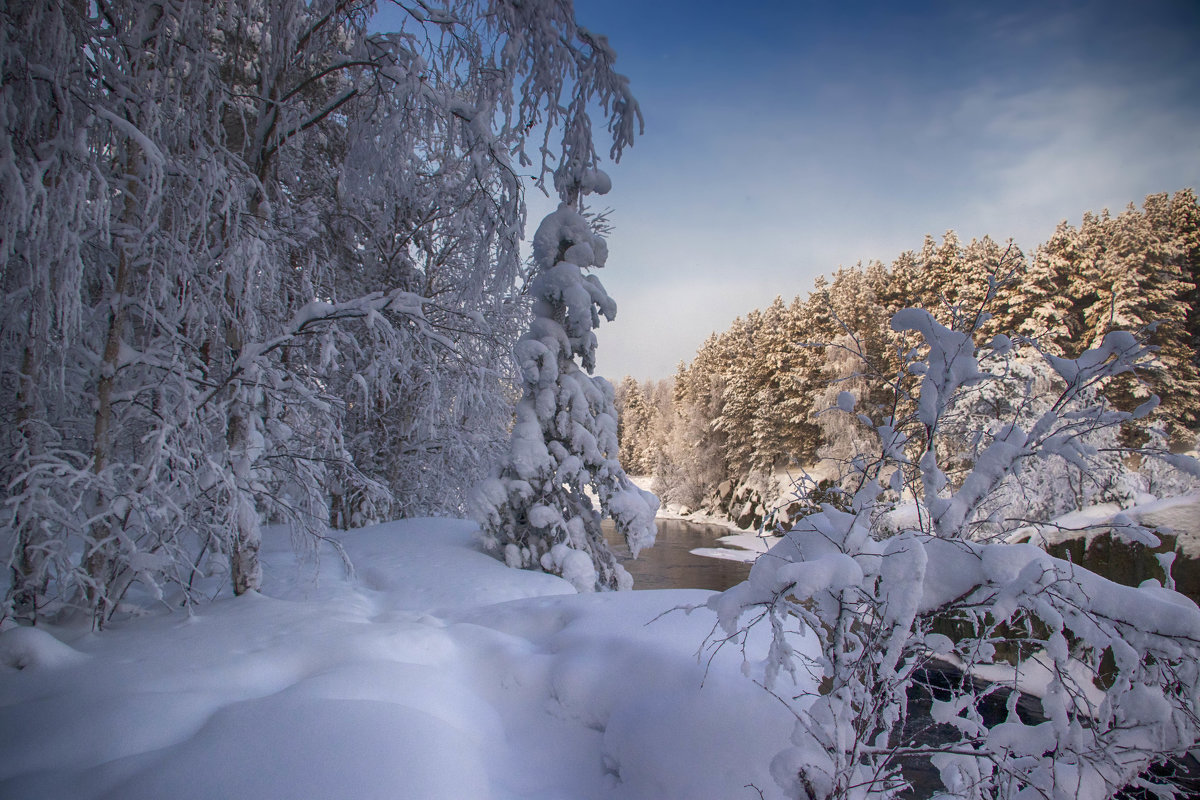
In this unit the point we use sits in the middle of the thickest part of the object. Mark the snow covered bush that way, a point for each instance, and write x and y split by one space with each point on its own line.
1024 387
934 610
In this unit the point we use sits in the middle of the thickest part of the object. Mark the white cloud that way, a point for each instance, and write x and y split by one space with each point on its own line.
1053 153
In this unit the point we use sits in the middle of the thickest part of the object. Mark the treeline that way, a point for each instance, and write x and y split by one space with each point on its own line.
755 398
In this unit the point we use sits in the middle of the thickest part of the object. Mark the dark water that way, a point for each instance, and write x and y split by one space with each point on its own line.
670 565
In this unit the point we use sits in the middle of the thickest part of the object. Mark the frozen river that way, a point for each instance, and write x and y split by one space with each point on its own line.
670 564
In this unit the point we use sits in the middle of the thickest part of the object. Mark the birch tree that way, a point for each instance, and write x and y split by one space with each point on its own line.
262 264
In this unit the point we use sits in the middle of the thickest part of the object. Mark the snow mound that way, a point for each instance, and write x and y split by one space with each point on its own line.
33 648
431 671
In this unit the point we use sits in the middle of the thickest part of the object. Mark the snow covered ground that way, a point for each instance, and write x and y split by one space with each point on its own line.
1179 515
435 672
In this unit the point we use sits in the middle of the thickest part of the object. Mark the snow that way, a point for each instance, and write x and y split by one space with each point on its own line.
23 648
432 671
1179 516
745 547
574 566
1036 675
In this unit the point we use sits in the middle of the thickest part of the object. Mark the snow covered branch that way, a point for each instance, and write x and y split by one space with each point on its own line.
1116 668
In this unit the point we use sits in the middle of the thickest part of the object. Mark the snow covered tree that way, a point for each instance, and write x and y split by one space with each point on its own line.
934 281
635 428
855 363
261 264
746 374
781 432
1131 275
879 617
986 264
692 460
536 512
1183 220
1038 304
850 372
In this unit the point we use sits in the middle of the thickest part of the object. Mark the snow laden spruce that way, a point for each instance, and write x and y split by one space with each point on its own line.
536 512
928 610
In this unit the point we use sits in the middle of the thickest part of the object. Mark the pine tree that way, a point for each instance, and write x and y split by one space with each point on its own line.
775 437
1175 375
1038 304
745 375
797 384
987 271
635 428
932 283
856 362
1138 283
692 459
1184 212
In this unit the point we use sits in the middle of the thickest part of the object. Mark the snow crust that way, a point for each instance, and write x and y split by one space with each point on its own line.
744 547
433 672
1179 516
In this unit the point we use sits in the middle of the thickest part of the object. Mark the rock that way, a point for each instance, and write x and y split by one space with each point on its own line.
745 518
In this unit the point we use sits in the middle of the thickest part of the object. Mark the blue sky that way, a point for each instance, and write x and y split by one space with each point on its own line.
786 138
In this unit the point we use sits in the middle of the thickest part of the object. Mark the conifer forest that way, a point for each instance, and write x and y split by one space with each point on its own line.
757 397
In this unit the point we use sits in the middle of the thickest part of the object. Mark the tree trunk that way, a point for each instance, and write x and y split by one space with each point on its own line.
245 536
28 579
98 553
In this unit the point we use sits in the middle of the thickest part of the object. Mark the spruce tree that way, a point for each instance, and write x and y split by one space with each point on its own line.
535 511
